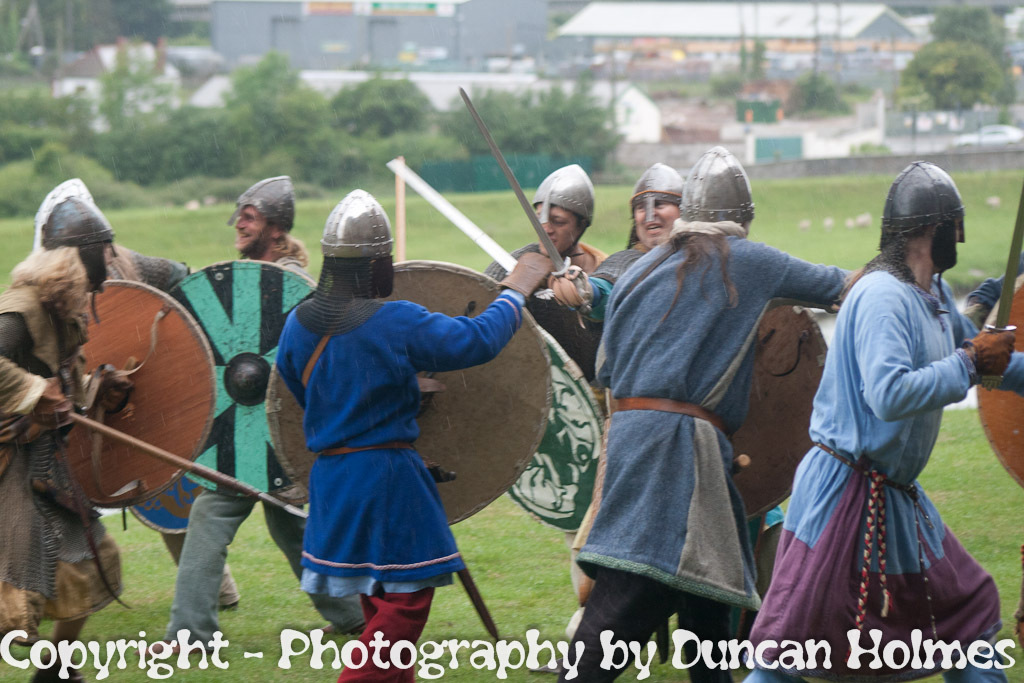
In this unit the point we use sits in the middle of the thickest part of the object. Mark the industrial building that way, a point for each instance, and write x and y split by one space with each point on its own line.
332 34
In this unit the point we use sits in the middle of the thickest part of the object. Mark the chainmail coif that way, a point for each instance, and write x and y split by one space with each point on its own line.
343 299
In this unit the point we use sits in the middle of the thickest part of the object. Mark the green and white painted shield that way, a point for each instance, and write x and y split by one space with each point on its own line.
558 484
241 307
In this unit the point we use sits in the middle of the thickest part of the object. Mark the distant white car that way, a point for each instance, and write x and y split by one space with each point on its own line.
991 136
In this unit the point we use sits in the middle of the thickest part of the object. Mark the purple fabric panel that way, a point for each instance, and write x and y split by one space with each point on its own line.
814 594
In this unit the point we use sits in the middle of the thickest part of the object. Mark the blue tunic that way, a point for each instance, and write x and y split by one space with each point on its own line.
670 510
377 513
891 369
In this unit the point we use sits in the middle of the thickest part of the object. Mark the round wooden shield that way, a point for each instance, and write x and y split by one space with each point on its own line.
1002 412
788 363
168 512
558 483
487 423
241 307
284 420
171 405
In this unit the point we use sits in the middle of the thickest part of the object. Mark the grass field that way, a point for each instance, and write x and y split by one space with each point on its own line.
522 570
521 567
201 237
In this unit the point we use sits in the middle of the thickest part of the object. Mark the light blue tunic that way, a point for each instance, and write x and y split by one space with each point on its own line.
892 367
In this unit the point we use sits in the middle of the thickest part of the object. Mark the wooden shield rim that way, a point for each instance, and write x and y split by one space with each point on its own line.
577 375
195 331
743 479
528 323
990 401
299 459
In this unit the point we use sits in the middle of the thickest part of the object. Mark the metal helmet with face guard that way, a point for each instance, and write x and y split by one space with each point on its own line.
923 195
570 188
717 189
357 269
659 183
272 197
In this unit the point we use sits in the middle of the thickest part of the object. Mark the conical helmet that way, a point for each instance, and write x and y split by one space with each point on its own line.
357 228
570 188
69 188
922 194
272 197
658 182
717 189
75 222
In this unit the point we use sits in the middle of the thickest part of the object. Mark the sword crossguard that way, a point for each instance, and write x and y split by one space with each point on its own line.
564 269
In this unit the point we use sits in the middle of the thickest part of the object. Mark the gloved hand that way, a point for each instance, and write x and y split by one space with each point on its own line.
573 289
992 351
115 388
529 273
53 409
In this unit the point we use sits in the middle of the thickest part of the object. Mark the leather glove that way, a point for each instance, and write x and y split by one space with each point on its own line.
573 289
992 351
529 273
53 409
115 388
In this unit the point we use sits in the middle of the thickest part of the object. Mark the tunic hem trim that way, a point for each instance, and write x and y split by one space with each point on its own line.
677 582
380 567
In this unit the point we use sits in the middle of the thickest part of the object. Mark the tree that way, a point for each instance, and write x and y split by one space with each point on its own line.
977 25
815 92
953 74
381 107
980 27
552 123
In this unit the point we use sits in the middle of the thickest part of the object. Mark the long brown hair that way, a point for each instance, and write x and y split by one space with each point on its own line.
699 247
287 246
61 278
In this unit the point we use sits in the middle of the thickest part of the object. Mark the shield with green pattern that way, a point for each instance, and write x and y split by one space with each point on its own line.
241 307
558 484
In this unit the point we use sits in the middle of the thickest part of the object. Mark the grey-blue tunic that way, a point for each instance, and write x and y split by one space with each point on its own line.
670 510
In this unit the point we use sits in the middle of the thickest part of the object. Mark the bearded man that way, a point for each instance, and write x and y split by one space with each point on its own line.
263 220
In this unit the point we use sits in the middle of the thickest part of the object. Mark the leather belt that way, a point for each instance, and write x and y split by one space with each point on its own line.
342 450
667 405
857 467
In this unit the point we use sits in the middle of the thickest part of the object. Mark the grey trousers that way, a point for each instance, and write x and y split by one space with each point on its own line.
212 525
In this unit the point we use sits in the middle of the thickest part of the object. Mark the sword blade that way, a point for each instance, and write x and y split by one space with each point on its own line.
478 602
1012 264
542 236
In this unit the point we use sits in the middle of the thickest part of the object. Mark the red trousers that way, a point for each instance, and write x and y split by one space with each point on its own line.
398 616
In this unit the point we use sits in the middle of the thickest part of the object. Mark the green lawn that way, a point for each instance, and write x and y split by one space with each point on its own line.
201 237
521 567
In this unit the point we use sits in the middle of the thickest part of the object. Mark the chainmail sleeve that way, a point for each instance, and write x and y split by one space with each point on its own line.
19 389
